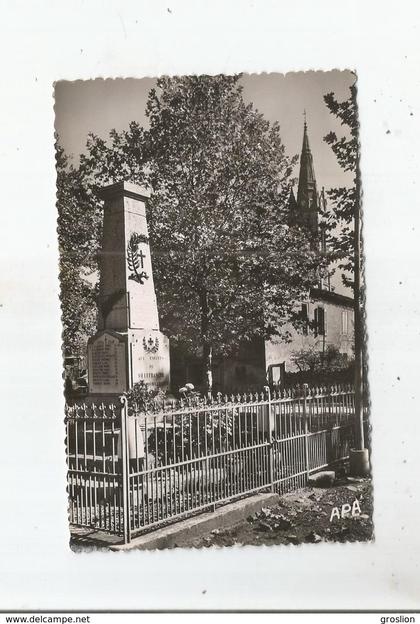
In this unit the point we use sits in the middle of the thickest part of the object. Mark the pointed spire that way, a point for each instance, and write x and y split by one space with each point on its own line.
307 196
292 201
305 146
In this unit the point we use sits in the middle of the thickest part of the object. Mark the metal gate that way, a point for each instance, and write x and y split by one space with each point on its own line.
95 482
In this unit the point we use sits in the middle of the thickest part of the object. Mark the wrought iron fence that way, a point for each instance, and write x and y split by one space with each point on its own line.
131 471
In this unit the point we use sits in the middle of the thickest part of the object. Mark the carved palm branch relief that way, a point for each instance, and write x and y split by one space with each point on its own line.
135 258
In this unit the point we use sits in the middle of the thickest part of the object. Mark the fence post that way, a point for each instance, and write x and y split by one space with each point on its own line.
305 418
125 471
271 427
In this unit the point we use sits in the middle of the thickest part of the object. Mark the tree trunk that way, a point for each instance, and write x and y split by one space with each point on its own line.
207 372
207 347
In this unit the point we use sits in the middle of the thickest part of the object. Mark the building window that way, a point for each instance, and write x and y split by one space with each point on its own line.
305 318
319 321
344 322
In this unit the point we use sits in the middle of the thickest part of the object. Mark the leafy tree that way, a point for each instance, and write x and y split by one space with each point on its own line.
306 359
124 157
78 237
312 360
345 200
227 266
348 242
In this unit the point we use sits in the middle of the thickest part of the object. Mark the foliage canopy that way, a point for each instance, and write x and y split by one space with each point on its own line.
345 201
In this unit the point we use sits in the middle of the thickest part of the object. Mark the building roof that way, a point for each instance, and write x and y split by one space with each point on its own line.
331 297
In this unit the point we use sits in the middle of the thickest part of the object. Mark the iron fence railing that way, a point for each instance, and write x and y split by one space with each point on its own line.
130 471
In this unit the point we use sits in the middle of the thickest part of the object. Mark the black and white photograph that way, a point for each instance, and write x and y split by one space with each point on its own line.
212 293
209 311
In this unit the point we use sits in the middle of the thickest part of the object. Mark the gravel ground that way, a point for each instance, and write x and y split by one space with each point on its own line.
305 516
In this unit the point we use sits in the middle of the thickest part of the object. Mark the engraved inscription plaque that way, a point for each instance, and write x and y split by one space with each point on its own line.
107 363
150 358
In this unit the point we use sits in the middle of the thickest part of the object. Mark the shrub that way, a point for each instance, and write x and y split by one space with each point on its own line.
143 398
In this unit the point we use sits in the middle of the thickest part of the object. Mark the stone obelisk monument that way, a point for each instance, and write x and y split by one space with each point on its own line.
129 346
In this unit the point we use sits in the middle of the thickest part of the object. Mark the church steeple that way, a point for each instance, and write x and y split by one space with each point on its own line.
307 196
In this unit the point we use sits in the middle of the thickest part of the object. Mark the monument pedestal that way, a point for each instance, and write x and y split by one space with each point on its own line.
116 361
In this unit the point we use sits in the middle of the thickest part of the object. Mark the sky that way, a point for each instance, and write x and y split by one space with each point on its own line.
99 105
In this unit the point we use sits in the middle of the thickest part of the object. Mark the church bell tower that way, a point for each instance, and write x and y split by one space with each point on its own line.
307 195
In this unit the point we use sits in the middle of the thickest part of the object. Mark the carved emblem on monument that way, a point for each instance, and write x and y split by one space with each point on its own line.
150 345
135 258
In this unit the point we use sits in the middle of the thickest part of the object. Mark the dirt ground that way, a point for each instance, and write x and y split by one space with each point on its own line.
310 515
